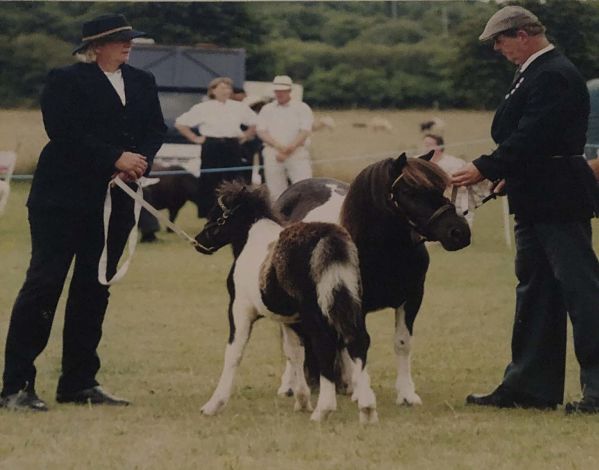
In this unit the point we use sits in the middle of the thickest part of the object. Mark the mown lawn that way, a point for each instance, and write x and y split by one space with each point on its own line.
163 344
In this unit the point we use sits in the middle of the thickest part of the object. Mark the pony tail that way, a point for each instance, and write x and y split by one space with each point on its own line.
336 272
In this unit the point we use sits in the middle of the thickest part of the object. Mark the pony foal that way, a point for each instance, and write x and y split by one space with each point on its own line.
307 277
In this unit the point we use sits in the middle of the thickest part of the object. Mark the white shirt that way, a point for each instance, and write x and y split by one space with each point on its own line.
525 65
217 119
284 122
116 80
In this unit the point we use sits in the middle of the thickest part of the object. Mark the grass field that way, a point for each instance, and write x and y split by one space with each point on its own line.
164 338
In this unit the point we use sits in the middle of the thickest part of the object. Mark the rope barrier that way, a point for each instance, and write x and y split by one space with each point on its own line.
314 162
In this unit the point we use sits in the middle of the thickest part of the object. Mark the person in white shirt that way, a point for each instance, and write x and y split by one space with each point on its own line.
285 126
219 121
449 164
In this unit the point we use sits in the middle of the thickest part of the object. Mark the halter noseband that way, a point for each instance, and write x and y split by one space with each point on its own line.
421 230
222 220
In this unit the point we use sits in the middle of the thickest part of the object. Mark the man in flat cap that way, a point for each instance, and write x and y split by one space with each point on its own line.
540 128
103 120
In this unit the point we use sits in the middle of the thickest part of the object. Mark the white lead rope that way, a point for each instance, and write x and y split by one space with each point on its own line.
140 202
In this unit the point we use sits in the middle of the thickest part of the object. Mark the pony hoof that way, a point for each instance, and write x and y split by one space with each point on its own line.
409 400
210 409
320 415
368 416
302 406
285 391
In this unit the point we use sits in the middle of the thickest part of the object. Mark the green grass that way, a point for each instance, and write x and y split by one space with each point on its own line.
163 345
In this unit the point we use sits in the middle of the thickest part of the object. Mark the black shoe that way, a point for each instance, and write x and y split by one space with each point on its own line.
94 396
503 398
23 401
586 406
148 238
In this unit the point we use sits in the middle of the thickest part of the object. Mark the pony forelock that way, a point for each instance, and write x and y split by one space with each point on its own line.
423 174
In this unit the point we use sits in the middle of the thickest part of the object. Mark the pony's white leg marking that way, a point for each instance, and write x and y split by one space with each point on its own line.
327 400
406 392
286 387
364 394
294 350
347 372
233 354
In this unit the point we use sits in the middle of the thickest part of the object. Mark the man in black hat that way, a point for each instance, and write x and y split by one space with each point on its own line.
540 130
104 120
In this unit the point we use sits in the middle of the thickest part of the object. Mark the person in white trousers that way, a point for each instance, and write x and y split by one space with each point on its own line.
285 126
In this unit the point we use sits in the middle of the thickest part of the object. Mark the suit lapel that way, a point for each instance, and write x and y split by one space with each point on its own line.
131 85
97 80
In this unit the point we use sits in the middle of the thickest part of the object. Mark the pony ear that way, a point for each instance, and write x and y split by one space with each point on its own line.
427 156
400 162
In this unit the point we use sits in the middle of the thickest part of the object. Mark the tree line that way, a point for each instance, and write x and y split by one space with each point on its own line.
346 54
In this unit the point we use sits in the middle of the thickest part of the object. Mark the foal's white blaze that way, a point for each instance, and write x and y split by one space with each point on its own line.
327 400
406 392
329 211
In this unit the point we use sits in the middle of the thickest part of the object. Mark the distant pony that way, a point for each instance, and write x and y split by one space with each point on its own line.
305 276
389 209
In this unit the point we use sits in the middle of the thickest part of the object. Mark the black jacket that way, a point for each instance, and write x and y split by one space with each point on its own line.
540 125
89 128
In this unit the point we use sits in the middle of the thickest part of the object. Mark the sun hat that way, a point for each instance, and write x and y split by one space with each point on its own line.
282 83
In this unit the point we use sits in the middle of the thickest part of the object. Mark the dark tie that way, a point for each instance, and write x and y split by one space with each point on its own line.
516 76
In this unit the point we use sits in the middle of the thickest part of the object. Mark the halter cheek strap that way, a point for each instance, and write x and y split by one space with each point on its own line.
421 230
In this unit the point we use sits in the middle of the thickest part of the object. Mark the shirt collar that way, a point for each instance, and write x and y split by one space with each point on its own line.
537 54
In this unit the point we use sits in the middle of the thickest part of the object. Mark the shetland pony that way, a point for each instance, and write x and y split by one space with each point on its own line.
389 209
305 276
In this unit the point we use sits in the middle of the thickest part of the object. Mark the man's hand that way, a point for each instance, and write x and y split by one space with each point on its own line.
466 176
133 164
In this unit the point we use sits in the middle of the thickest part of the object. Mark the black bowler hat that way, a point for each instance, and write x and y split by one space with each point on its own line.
107 27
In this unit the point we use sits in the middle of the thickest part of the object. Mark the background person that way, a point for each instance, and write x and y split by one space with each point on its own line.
103 119
284 126
540 130
219 120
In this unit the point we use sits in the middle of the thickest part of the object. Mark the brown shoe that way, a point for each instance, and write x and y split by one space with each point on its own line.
93 396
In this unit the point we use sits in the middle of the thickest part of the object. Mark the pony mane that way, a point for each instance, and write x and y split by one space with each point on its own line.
255 200
424 174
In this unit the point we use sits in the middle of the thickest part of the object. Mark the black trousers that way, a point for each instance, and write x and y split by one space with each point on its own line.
558 274
58 236
219 153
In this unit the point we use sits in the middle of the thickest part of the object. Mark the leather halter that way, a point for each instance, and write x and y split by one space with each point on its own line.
420 229
222 220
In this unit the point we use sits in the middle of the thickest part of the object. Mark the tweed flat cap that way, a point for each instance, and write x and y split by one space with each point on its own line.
509 17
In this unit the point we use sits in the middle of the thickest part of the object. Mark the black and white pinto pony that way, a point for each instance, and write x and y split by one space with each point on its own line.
389 209
307 277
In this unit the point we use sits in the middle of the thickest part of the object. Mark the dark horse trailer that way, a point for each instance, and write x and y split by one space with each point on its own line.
182 75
